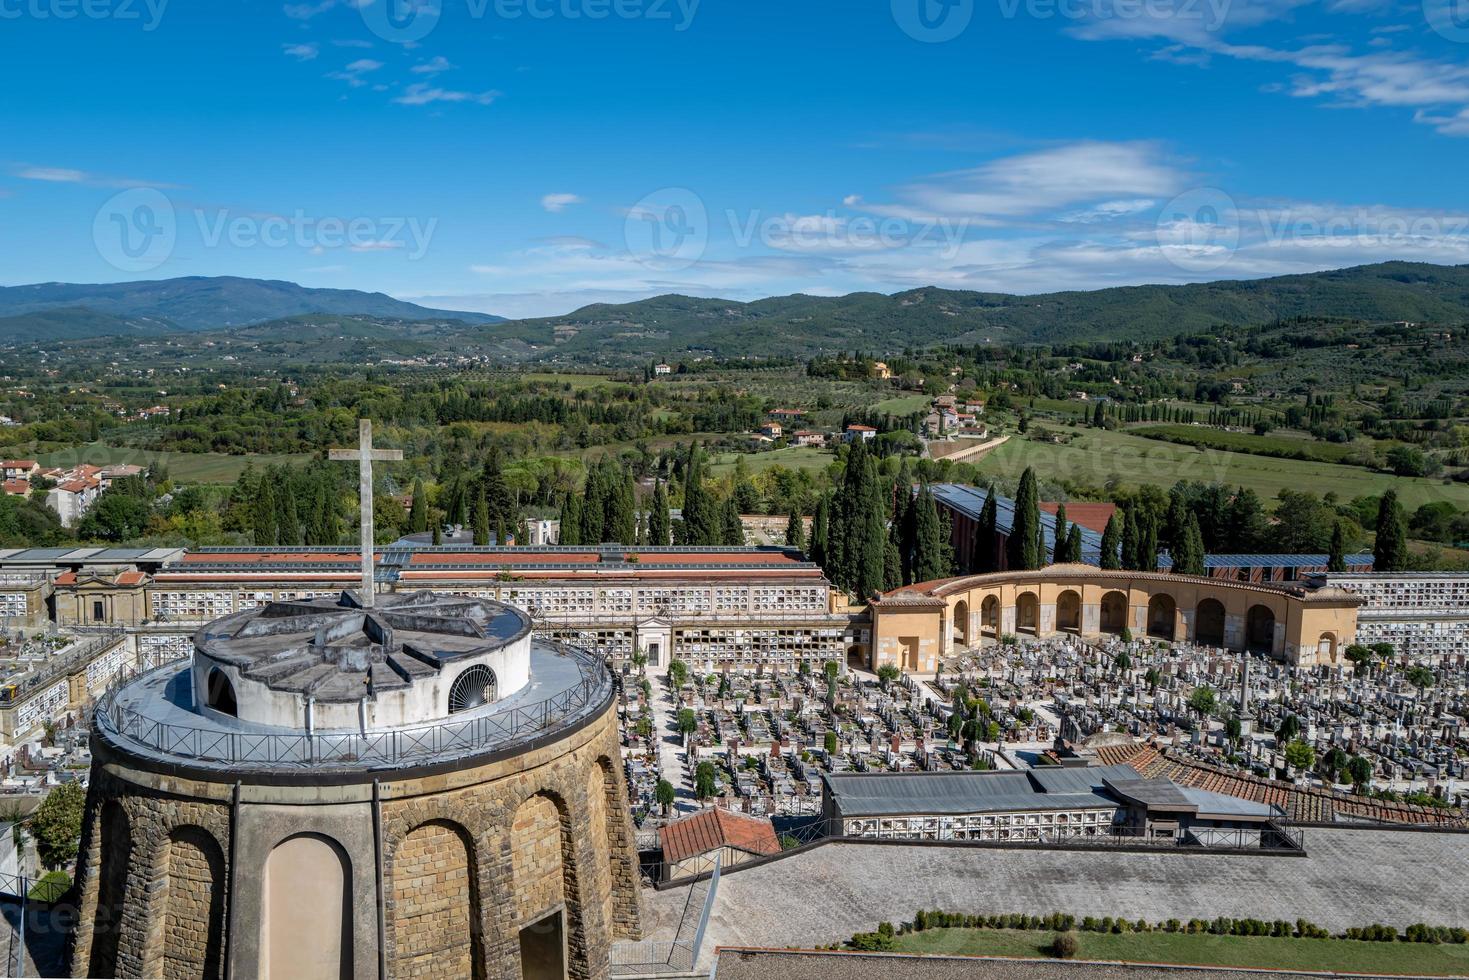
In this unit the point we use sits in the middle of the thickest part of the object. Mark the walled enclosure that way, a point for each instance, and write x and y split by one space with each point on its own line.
913 627
468 858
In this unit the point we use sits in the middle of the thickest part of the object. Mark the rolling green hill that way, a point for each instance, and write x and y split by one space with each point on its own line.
804 325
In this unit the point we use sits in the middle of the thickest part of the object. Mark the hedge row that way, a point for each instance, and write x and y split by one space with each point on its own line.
924 919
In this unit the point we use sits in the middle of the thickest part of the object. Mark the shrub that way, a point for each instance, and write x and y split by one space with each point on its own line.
1064 945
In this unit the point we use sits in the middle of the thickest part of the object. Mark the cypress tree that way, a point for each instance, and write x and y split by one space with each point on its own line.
928 545
1131 538
438 533
987 534
892 562
658 519
700 515
1390 550
732 529
1112 542
1073 545
1189 558
331 522
796 531
1336 561
819 522
418 510
622 507
288 524
1024 546
871 539
571 514
263 517
501 538
1177 525
481 522
1058 542
1147 546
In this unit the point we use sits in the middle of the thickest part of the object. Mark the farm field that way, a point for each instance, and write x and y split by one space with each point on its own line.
578 382
1285 446
1096 456
1202 949
903 405
182 467
795 458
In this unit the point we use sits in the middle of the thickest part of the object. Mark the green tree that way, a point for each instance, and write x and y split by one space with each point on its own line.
1202 701
1390 551
987 534
1290 728
1233 729
264 513
664 795
418 510
701 524
1025 532
732 529
830 743
1333 763
1058 538
1189 559
1360 656
660 524
688 722
819 524
1336 559
887 674
571 522
1420 677
928 543
796 531
57 825
1112 541
482 520
678 673
705 781
1359 771
1300 755
1073 545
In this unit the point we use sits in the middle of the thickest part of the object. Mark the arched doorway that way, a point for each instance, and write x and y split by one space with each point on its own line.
1114 612
1209 623
1068 611
1027 612
1260 630
220 693
1326 649
306 918
989 615
961 623
1162 616
856 657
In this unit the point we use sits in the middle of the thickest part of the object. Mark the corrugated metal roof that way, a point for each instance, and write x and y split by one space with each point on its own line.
892 794
1272 561
970 502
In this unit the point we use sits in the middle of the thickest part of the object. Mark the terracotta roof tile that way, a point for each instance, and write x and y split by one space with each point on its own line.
712 829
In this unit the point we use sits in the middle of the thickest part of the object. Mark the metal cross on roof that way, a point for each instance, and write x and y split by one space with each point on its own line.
363 456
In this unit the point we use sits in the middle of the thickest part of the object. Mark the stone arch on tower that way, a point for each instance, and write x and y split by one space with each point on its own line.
435 913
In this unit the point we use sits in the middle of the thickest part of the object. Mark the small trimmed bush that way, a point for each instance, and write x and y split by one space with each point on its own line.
1064 945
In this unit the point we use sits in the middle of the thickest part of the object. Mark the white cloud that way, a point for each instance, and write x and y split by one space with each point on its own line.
353 73
421 93
432 67
57 175
302 52
67 175
307 11
557 203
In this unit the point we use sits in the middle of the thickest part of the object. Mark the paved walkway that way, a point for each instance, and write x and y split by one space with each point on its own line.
672 759
1350 877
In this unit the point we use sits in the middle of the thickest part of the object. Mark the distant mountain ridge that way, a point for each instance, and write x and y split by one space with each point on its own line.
802 325
195 303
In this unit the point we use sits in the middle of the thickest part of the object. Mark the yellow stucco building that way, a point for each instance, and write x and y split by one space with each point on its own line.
914 626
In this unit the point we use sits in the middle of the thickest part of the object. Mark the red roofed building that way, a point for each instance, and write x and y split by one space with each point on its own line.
1093 517
690 845
864 432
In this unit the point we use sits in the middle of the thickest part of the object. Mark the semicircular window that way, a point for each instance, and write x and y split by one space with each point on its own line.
472 689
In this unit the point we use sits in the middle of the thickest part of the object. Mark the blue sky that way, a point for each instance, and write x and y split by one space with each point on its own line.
526 157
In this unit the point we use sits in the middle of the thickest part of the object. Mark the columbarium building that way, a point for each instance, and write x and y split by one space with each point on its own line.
329 787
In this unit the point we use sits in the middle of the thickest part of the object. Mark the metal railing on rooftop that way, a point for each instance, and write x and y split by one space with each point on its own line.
130 729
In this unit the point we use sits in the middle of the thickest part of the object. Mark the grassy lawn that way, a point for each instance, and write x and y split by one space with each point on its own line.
904 405
795 458
578 382
1095 456
1204 950
182 467
1285 446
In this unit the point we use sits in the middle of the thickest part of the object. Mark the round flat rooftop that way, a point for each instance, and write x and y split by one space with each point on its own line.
334 650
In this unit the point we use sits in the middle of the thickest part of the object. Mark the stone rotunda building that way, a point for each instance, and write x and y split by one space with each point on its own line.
416 789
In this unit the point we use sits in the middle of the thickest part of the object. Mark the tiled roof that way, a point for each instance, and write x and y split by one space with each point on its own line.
1310 805
712 829
1093 517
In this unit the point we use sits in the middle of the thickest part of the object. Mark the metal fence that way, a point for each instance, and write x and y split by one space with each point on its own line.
681 954
36 889
125 725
